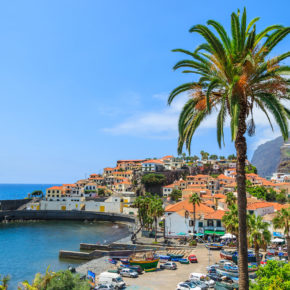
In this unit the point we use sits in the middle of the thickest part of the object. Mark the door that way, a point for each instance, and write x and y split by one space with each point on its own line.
102 208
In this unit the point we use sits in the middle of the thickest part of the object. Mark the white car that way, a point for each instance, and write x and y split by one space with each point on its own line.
187 286
203 278
105 287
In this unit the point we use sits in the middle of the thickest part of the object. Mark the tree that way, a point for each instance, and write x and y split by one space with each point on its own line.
259 235
213 157
236 75
282 221
101 192
251 169
195 200
156 210
195 158
230 199
37 193
274 275
62 280
176 194
204 155
231 221
4 282
152 179
282 196
222 157
232 157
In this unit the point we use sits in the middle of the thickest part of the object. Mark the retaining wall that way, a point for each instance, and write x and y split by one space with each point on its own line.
64 215
13 204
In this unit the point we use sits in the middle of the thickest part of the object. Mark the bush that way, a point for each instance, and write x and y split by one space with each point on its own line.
153 179
193 243
275 275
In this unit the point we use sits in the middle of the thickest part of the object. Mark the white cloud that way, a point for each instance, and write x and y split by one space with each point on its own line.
163 123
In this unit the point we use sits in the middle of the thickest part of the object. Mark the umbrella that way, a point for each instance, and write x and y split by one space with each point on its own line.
228 236
277 240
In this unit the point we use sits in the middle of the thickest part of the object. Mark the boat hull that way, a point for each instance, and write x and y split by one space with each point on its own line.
225 286
145 264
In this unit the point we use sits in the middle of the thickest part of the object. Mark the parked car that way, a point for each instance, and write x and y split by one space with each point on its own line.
212 271
212 267
199 283
214 277
112 278
135 268
169 266
126 272
105 287
192 258
187 285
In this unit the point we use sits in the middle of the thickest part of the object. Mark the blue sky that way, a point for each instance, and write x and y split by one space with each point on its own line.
84 83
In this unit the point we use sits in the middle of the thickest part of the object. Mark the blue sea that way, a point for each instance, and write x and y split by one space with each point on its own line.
30 247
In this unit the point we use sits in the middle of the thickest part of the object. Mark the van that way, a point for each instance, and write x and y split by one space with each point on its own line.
113 278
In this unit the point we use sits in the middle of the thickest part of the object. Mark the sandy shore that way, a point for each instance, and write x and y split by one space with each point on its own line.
161 279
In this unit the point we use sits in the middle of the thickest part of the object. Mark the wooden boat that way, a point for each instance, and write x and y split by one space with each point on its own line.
233 271
147 261
251 257
183 261
227 255
213 246
173 256
225 285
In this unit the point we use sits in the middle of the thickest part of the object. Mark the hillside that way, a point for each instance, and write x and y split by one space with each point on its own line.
267 157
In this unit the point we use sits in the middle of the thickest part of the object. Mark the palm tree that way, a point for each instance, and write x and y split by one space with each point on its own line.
259 235
4 282
231 222
156 211
282 221
195 200
236 75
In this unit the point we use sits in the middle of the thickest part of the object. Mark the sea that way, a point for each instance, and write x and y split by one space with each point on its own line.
30 247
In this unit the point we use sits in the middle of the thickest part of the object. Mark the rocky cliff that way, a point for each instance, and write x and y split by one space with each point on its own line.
267 157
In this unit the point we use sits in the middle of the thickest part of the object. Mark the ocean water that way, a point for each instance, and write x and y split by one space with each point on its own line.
19 191
30 247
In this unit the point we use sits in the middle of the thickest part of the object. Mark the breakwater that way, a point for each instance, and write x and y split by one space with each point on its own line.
12 215
13 204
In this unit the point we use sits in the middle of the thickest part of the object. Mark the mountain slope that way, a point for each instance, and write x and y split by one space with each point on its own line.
267 157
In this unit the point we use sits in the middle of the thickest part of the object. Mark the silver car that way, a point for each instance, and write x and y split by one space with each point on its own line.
126 272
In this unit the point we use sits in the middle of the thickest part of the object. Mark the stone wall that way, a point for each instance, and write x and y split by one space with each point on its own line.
13 204
64 215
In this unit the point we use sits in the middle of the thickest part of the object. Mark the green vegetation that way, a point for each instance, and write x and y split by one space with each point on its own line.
232 157
101 192
282 221
36 193
236 74
152 179
274 275
150 208
176 194
4 282
231 220
195 200
62 280
259 235
230 199
213 157
204 155
251 169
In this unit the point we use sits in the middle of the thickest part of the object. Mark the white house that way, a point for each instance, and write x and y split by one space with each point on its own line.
152 165
260 208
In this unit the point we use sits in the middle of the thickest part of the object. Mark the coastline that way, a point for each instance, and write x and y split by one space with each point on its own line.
101 264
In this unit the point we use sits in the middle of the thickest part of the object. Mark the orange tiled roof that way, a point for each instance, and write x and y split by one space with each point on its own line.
56 187
216 215
109 168
278 206
153 161
167 156
233 184
222 176
169 186
219 195
256 205
186 205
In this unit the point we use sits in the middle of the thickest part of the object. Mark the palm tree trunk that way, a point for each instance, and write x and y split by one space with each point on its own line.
193 221
155 229
288 246
257 255
241 148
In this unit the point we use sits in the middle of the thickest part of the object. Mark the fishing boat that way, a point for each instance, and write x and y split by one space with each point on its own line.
148 262
164 258
226 285
124 261
183 261
231 270
228 255
174 256
214 246
251 257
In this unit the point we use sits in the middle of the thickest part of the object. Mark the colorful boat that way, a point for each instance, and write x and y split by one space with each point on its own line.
175 256
225 285
213 246
251 257
147 265
227 255
183 261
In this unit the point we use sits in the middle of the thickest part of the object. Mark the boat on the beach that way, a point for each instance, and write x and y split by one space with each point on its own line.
214 246
175 256
183 261
231 270
251 257
148 262
221 285
228 255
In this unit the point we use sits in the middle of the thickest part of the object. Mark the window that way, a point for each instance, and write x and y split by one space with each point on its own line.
210 223
191 223
200 224
218 223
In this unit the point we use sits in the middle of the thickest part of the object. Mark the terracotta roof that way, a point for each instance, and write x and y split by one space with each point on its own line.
153 161
169 186
216 215
262 204
109 168
222 176
196 185
233 184
186 205
56 187
167 156
278 206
